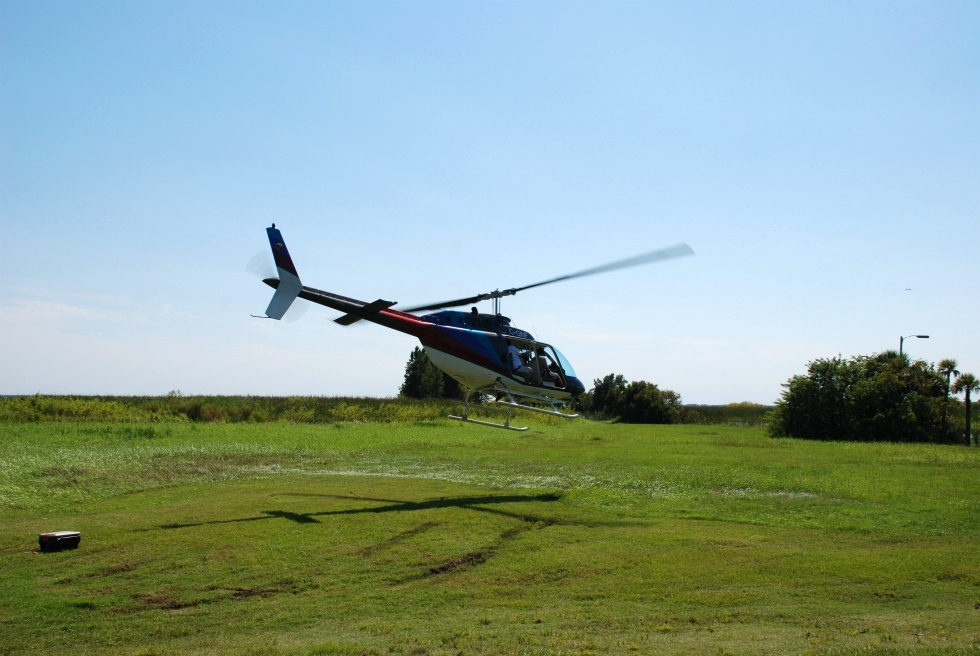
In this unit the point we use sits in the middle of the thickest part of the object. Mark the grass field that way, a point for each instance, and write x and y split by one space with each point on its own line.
441 538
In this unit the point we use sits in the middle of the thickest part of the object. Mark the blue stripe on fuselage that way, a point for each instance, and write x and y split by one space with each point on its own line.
471 345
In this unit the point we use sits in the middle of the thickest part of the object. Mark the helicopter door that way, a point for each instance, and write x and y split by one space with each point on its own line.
549 367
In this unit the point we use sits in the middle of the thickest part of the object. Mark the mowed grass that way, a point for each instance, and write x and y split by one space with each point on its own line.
442 538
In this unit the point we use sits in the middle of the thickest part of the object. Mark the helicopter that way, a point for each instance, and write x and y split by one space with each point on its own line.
485 353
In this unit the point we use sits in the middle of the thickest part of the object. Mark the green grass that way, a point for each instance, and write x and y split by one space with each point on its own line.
440 538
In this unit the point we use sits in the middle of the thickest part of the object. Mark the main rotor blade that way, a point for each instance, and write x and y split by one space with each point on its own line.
679 250
659 255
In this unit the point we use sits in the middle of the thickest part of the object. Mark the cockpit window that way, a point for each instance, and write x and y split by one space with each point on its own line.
565 364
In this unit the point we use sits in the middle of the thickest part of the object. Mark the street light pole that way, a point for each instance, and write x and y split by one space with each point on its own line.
901 341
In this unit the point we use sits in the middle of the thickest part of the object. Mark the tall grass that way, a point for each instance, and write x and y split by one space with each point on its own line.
297 409
175 408
732 414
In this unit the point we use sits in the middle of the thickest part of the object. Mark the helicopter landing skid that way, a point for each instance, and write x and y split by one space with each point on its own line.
531 408
511 403
465 416
506 425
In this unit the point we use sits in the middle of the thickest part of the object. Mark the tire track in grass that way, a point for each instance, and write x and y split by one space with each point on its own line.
476 558
398 538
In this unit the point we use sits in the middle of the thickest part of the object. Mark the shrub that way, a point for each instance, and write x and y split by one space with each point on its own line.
638 402
883 397
644 403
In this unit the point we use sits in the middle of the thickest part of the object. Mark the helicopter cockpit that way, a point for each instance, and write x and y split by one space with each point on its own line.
539 364
527 361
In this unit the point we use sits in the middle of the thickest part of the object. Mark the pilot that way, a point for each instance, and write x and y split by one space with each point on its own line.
517 364
549 370
543 367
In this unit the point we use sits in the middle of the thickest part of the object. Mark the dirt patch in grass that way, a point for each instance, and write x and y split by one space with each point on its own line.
245 593
468 560
165 601
264 591
115 569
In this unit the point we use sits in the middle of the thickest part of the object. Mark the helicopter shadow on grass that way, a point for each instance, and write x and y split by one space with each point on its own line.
476 503
392 505
527 521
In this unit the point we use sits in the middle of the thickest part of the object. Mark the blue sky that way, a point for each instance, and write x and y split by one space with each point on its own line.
820 158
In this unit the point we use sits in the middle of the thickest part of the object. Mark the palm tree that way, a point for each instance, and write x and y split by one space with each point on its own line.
946 368
967 383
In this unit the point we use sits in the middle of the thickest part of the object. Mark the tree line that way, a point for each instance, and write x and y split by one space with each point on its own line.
882 397
638 402
611 397
424 380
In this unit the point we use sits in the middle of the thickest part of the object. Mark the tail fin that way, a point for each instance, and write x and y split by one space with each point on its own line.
289 283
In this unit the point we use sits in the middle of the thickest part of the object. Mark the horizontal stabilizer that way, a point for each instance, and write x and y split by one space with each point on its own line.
287 291
370 308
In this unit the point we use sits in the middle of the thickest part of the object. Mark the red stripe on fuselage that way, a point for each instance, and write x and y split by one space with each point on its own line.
430 334
437 337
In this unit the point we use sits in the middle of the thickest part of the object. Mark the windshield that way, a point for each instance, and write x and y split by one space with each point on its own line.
565 364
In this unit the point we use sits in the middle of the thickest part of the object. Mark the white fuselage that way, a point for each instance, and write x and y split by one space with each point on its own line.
477 377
